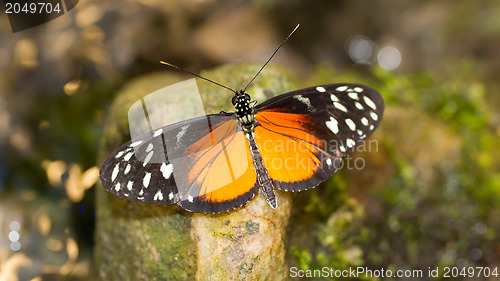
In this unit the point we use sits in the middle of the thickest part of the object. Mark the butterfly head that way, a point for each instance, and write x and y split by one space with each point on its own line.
241 102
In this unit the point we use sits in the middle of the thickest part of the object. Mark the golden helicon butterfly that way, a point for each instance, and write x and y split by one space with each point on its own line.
216 163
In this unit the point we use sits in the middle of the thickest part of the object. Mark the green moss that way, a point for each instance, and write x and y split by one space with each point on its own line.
427 196
252 227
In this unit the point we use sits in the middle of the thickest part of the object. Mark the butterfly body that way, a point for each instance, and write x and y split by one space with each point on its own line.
216 163
244 111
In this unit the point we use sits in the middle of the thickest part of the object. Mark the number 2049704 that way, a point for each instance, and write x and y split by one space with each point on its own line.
32 8
473 271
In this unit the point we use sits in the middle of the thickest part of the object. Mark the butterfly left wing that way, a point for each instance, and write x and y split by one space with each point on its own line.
202 164
303 134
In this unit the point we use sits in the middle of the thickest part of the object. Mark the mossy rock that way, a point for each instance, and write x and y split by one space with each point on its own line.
136 241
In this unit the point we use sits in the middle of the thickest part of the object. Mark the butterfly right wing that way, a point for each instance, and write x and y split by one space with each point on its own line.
303 134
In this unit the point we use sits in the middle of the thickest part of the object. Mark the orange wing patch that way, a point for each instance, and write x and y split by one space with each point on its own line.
220 165
289 152
230 174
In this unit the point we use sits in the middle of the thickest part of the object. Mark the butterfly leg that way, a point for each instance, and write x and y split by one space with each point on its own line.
261 171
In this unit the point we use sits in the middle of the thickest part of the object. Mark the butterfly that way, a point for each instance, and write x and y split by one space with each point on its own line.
216 163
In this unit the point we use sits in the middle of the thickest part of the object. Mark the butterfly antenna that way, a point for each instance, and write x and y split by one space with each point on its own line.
206 79
286 39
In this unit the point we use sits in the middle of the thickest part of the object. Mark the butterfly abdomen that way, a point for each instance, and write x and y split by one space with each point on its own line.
263 178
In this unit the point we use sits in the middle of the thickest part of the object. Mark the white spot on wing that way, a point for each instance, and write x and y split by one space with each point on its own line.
119 154
350 143
129 185
320 89
333 125
360 132
127 169
339 106
334 97
148 158
170 196
305 101
342 148
329 162
166 170
341 88
181 133
134 144
190 199
128 156
150 147
350 124
117 187
372 127
158 196
359 106
358 89
114 174
374 116
369 102
158 132
146 180
364 121
353 96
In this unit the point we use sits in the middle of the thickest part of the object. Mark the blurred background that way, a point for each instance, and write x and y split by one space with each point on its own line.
429 195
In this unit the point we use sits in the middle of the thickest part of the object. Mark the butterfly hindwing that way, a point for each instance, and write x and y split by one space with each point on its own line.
216 174
310 129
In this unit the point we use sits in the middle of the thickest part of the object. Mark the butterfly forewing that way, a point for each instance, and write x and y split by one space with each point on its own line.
310 129
144 169
127 175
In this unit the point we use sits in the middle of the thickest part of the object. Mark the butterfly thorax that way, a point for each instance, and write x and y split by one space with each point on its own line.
244 111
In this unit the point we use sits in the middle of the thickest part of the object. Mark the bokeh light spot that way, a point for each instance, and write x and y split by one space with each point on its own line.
71 87
480 228
54 170
14 226
14 236
476 254
389 58
361 49
15 246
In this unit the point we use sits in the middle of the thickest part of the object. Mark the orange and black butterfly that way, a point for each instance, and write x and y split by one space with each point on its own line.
216 163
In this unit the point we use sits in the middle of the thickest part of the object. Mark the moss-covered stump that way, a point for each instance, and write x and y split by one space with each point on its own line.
137 241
